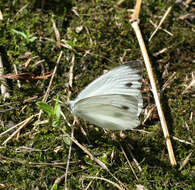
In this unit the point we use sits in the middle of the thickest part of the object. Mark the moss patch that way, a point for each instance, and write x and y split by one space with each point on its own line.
100 36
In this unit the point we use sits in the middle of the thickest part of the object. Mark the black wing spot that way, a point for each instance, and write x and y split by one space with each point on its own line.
125 107
129 84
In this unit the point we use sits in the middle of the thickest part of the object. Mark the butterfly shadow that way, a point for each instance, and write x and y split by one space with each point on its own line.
145 153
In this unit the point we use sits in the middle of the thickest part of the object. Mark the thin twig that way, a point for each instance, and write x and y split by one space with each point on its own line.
11 128
50 82
62 114
129 163
162 20
71 76
16 71
35 164
169 33
52 77
100 163
148 112
185 161
71 71
162 51
57 181
56 33
20 11
90 182
134 23
182 141
68 161
168 82
107 180
133 157
122 184
90 39
191 85
18 130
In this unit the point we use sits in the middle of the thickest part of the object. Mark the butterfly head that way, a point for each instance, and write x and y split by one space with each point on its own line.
71 105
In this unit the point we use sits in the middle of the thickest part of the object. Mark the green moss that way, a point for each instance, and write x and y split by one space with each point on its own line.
106 36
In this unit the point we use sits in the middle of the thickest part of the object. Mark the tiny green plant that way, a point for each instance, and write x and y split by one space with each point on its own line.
53 113
25 35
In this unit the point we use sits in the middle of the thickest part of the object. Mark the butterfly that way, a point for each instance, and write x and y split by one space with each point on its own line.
114 100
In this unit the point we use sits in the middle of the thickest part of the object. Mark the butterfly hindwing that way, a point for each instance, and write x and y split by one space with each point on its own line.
115 112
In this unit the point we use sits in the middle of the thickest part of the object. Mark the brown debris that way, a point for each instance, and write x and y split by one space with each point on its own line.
26 76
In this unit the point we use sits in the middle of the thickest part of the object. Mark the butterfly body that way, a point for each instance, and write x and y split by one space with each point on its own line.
113 100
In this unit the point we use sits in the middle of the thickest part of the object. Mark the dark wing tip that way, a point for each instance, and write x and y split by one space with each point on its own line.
136 65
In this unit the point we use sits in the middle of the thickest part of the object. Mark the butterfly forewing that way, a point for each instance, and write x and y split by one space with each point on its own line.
125 79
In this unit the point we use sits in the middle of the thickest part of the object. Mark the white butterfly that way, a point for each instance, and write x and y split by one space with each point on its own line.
113 100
